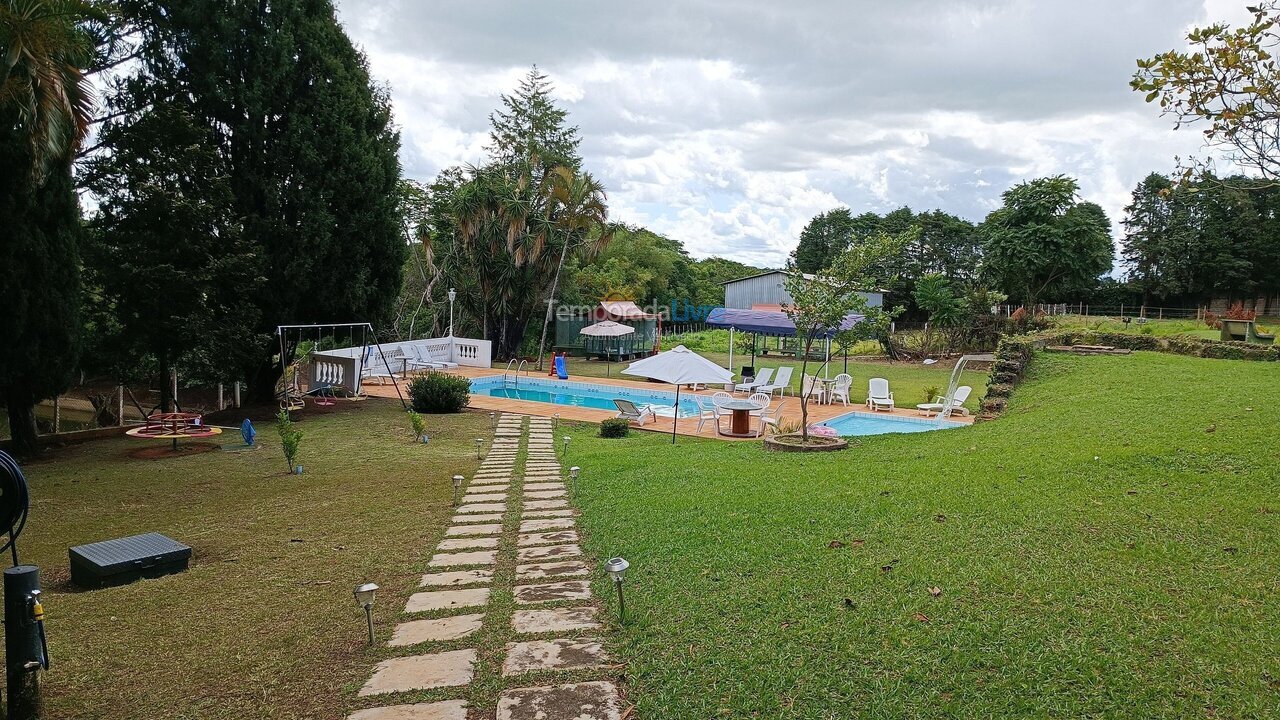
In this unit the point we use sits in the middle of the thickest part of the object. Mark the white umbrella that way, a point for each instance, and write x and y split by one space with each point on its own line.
607 328
679 366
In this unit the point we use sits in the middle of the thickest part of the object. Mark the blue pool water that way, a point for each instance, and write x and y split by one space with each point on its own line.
865 423
588 395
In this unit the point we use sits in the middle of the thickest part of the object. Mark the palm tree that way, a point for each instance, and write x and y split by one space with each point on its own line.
46 52
583 218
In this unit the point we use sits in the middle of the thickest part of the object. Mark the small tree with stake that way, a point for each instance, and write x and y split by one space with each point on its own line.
819 304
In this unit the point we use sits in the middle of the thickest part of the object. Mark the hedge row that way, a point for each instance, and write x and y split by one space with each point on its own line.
1014 353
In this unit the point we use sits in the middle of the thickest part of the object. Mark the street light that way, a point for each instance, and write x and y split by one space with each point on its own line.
479 443
573 476
617 567
452 295
457 487
365 595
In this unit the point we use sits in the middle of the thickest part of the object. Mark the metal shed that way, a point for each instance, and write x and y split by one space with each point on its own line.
766 289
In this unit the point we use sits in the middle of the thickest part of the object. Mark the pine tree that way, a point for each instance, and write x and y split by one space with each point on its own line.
309 148
531 125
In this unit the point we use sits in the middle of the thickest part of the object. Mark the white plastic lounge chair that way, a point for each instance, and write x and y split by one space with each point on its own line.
813 389
440 356
419 359
627 410
840 388
379 364
780 384
766 374
708 410
957 403
878 395
771 419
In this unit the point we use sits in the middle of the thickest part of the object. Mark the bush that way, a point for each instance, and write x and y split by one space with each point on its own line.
614 428
290 438
418 423
438 392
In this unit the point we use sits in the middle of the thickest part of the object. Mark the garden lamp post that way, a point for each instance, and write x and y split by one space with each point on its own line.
479 443
573 477
493 421
457 488
365 595
565 439
555 421
453 294
617 567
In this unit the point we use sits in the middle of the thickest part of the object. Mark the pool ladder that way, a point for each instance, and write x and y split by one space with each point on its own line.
511 378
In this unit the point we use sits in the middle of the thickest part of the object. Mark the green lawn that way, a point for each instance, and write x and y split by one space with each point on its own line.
1106 549
263 625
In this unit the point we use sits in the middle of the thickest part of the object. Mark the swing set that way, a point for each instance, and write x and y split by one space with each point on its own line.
325 376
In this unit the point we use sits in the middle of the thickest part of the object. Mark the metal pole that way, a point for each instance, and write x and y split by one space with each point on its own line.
24 652
57 413
368 616
120 405
622 608
237 391
220 405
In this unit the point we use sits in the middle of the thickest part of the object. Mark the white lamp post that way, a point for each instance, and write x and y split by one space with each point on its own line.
565 440
617 567
479 443
365 595
493 421
453 294
555 421
457 488
573 476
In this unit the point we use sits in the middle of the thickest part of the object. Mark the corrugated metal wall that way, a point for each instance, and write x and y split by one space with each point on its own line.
767 290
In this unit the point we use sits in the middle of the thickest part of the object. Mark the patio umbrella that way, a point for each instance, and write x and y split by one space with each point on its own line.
607 328
679 366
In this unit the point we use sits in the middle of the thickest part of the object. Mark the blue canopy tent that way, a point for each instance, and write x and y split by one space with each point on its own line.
772 323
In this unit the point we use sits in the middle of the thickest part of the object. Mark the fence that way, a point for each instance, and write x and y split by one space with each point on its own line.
1151 312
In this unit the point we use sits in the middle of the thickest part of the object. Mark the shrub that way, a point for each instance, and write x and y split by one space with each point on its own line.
438 392
1211 319
1237 311
930 393
614 428
418 423
290 438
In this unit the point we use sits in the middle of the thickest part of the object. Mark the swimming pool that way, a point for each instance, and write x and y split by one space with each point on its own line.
577 394
865 423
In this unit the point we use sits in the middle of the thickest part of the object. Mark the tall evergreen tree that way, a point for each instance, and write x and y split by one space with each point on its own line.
45 102
826 236
531 125
166 257
308 144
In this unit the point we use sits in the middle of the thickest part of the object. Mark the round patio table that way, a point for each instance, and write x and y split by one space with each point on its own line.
740 421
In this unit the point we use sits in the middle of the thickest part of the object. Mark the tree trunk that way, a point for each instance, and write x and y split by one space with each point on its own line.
166 383
555 280
22 425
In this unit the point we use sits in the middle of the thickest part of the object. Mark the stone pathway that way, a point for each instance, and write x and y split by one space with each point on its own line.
551 624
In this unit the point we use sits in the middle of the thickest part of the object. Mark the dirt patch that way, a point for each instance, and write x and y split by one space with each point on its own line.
160 452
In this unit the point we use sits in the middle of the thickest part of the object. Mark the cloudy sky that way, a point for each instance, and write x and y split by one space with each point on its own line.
728 124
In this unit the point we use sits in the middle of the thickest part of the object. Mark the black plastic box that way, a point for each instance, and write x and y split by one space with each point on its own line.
121 561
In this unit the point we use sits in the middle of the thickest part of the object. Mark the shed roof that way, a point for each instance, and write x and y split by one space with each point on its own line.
625 310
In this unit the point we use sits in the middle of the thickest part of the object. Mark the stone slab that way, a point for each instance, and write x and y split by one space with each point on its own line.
481 529
552 592
554 494
533 526
482 543
447 600
421 672
532 487
545 504
443 629
577 701
477 518
481 508
457 577
561 654
537 571
478 557
484 497
561 619
547 552
445 710
555 537
534 514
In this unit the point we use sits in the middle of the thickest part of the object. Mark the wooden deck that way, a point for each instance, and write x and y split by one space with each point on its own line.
684 426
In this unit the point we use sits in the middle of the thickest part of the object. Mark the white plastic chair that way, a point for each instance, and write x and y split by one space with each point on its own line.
628 410
761 399
814 390
720 398
840 388
957 403
771 419
708 410
878 395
